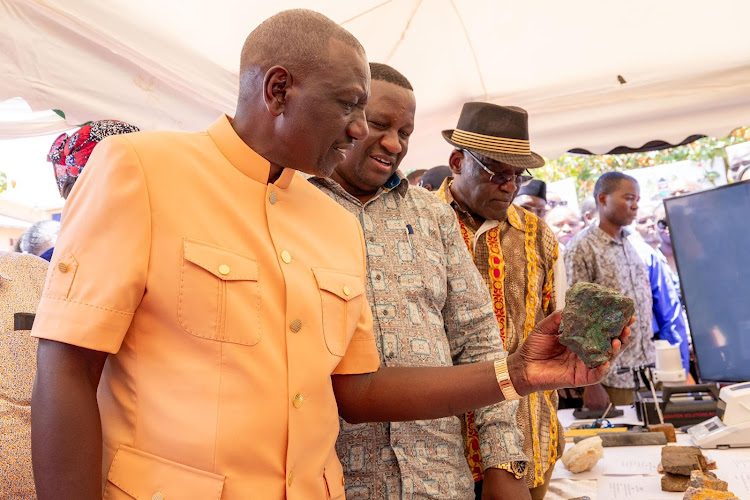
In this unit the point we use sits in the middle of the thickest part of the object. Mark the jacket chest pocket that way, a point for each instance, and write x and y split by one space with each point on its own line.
342 297
219 295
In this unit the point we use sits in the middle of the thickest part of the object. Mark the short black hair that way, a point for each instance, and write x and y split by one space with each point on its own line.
296 39
608 183
385 73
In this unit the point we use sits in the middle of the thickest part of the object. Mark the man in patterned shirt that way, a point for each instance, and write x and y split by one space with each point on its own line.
430 308
515 252
602 254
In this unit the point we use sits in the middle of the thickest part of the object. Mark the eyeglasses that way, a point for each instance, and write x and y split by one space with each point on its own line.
501 178
553 204
662 224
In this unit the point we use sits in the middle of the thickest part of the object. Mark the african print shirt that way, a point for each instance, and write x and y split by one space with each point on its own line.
21 282
430 308
596 257
523 251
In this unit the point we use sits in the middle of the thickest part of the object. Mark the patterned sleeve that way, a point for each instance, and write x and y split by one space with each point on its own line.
553 292
474 336
575 263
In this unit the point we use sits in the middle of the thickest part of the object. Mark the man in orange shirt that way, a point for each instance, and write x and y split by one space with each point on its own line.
216 300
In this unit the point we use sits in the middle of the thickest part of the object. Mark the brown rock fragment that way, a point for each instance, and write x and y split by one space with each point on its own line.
667 429
674 482
682 459
707 480
706 494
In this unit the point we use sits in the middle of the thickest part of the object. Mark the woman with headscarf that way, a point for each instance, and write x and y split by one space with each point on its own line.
69 154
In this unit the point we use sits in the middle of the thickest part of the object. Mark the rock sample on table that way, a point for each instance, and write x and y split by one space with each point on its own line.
667 429
680 465
583 455
708 480
592 317
708 494
674 482
682 460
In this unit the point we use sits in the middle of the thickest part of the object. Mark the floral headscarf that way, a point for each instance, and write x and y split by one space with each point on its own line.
69 154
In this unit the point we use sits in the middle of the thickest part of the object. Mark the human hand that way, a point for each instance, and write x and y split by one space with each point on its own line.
543 363
595 397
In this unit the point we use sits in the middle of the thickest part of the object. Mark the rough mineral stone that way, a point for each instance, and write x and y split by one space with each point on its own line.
583 455
674 482
592 317
667 429
708 480
706 494
682 459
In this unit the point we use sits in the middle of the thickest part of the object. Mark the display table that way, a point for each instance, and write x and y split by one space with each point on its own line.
629 472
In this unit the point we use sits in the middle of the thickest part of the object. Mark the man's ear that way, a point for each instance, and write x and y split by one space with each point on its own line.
276 84
455 161
601 200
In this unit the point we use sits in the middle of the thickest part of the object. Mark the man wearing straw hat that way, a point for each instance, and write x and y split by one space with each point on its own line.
515 253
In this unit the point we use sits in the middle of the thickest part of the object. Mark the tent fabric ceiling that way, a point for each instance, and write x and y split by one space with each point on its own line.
173 64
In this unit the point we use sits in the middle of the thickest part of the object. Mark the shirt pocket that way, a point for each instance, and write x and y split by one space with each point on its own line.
61 276
341 296
333 475
142 476
220 296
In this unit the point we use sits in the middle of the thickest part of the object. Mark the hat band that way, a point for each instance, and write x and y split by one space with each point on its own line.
491 143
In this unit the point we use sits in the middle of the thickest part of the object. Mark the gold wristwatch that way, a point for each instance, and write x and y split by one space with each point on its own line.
503 380
518 469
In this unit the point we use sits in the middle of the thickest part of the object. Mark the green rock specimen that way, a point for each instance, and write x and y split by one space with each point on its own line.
593 316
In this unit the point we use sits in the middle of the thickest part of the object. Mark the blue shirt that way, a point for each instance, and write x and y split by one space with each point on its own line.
48 255
668 319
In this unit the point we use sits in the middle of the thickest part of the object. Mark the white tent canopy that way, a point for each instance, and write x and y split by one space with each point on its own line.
173 64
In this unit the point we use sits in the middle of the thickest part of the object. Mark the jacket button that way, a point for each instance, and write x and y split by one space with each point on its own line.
295 325
290 478
286 257
346 290
158 496
298 401
63 267
224 269
272 198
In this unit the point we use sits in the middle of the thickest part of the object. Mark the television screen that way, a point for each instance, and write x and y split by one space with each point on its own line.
710 233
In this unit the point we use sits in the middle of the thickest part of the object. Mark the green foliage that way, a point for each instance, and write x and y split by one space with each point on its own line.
588 168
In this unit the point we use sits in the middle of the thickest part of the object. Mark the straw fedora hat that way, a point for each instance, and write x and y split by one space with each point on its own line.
497 132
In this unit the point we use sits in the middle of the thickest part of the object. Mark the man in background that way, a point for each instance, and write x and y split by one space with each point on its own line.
588 211
515 253
434 177
39 238
564 222
415 176
668 316
532 196
646 225
602 254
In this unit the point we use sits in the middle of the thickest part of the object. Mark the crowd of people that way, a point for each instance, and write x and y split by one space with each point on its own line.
212 324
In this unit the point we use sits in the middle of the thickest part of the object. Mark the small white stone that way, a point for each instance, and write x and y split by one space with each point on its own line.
584 455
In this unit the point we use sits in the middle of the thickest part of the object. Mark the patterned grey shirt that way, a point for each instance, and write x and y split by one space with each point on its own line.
596 257
430 308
